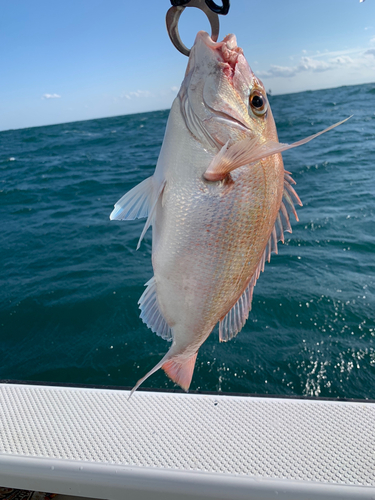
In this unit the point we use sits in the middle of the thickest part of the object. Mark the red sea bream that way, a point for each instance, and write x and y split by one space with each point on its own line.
218 203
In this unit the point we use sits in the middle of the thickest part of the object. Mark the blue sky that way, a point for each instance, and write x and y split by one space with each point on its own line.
69 60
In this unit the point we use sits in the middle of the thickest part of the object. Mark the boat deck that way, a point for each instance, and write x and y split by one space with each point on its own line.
97 443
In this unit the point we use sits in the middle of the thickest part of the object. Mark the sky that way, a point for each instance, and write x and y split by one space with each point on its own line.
70 60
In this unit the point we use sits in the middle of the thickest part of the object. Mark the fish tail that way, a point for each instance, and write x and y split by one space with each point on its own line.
178 370
181 371
155 369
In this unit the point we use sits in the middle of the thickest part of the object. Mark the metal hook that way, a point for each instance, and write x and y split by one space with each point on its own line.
173 16
223 10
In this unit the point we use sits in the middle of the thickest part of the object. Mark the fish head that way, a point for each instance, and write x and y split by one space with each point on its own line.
221 98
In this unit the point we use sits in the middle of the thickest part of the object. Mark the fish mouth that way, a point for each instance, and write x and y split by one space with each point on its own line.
210 64
225 54
227 50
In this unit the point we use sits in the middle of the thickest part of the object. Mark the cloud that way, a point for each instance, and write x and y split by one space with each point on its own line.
51 96
342 60
174 88
305 64
312 65
283 71
136 94
330 69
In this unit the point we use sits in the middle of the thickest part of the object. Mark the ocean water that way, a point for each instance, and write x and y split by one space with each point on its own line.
71 278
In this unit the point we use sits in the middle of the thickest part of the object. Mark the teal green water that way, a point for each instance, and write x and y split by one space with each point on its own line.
71 278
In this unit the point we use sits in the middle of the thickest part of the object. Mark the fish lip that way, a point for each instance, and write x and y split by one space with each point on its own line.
227 49
207 40
230 40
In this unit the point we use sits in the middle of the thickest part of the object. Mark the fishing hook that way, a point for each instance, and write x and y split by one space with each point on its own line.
209 7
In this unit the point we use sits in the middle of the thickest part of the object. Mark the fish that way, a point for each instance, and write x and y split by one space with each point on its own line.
218 202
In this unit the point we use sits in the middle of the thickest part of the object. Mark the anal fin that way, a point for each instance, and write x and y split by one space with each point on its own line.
151 314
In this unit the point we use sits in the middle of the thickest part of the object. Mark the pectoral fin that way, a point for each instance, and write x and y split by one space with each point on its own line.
250 151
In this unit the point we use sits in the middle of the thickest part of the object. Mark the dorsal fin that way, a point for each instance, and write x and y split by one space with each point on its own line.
235 319
151 314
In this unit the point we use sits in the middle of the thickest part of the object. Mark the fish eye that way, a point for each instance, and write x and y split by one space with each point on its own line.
258 103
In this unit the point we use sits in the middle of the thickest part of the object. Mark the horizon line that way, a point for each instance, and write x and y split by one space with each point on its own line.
167 109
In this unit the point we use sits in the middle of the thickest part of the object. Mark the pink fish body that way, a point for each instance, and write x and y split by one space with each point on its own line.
218 203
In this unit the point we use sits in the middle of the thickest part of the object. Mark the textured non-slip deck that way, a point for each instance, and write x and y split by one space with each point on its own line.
97 443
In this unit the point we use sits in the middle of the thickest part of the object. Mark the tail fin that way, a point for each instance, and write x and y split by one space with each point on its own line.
141 380
179 370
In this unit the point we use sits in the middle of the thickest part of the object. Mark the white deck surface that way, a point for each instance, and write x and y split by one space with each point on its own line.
96 443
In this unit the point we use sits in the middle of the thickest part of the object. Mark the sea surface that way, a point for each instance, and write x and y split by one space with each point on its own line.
71 278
